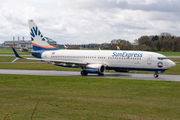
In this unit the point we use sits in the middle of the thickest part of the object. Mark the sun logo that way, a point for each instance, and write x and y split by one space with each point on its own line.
160 64
36 34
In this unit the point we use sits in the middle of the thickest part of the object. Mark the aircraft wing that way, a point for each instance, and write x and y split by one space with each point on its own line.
59 61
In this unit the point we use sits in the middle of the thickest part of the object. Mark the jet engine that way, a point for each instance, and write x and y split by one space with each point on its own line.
95 68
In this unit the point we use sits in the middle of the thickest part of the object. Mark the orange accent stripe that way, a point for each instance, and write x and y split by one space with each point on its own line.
93 67
47 47
11 46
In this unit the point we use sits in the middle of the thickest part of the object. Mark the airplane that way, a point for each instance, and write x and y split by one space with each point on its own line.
95 61
118 48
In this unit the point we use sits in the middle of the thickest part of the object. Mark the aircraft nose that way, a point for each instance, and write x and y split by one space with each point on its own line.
171 64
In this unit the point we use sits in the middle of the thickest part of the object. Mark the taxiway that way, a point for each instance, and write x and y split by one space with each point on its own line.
77 74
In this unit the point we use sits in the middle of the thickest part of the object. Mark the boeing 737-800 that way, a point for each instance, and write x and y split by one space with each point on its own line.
95 61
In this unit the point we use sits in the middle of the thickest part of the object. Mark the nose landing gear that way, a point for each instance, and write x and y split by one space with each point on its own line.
156 75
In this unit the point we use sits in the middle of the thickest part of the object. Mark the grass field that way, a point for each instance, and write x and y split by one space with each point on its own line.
11 58
67 98
10 52
170 53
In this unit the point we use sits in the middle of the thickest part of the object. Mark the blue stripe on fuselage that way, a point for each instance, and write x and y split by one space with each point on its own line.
38 54
138 69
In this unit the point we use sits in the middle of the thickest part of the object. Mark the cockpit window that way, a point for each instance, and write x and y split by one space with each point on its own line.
162 58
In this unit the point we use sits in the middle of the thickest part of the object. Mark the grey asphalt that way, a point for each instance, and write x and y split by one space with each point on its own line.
77 74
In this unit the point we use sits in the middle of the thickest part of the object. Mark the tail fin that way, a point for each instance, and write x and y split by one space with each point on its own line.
118 48
38 41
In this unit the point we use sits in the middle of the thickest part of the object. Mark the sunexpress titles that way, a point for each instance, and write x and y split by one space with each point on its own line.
128 55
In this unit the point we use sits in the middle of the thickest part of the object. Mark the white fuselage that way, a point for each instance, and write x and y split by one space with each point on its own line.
114 60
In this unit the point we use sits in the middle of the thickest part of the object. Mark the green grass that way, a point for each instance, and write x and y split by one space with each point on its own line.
170 53
11 58
67 98
36 66
10 52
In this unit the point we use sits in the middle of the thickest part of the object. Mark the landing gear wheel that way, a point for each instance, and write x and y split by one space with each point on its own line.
84 73
100 74
156 75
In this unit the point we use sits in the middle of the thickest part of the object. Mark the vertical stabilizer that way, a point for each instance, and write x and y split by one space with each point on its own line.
118 48
38 41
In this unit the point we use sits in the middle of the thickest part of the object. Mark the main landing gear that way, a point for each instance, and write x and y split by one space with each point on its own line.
84 73
156 75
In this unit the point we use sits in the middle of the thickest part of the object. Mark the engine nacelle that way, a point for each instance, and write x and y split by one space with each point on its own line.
122 70
95 68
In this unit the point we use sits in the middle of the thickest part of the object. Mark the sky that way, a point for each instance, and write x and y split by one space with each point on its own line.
89 21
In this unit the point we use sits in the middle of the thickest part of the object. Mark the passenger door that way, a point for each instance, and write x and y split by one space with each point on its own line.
149 60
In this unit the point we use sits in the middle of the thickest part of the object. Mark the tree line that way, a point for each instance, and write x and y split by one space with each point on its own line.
163 42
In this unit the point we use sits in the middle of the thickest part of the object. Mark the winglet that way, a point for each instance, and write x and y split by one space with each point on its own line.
16 54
